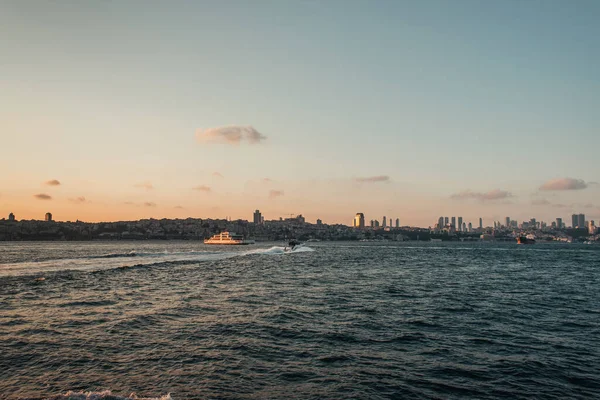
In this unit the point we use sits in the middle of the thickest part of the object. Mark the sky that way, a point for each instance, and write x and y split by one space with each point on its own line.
212 109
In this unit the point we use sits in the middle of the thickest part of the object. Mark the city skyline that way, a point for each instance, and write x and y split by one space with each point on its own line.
404 109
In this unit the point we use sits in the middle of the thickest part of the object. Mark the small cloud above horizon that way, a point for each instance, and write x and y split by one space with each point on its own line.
540 202
492 195
202 188
373 179
79 200
564 184
275 193
144 185
42 196
232 134
149 204
52 182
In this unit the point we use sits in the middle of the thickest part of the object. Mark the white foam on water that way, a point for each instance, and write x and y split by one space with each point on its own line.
106 394
134 258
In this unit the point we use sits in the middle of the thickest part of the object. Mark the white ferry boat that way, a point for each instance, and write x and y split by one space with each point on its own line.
228 238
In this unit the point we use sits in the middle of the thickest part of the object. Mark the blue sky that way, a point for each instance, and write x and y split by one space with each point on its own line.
442 97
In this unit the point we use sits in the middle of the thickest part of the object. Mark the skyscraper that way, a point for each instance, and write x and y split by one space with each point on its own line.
445 221
48 217
397 222
574 221
464 227
470 227
559 223
507 222
440 222
581 221
257 217
359 220
453 224
480 223
460 224
11 217
383 223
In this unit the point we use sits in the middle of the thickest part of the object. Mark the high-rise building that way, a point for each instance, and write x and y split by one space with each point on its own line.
480 223
319 222
257 217
383 223
574 221
372 223
559 223
460 224
397 222
507 222
376 224
440 222
48 217
591 228
445 221
11 217
453 224
581 221
464 227
359 220
470 227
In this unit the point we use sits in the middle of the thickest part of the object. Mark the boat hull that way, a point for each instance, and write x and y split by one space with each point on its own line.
229 242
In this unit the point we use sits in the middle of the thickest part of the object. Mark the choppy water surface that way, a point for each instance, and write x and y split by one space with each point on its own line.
343 321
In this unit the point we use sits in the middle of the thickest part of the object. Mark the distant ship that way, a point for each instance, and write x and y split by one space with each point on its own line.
525 240
228 238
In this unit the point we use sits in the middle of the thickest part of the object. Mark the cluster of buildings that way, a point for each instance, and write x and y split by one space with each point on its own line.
359 222
446 228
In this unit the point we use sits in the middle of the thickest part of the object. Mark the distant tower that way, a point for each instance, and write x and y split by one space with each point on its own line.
397 222
384 224
359 220
470 227
507 222
11 217
453 224
460 224
445 221
559 223
48 217
257 217
376 224
464 227
480 223
440 222
574 221
319 222
581 221
591 228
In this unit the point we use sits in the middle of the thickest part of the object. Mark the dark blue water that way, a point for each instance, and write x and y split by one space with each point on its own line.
373 321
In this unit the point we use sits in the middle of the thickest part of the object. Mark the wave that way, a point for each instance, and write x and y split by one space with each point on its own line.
106 395
135 259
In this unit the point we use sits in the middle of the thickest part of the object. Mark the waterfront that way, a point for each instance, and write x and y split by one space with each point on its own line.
347 320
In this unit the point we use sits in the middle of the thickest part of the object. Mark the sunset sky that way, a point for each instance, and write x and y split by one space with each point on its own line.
412 109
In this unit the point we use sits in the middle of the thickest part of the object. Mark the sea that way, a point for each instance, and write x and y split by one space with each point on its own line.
331 320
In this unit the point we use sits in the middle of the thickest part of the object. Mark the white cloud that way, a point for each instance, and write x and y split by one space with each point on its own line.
495 194
233 134
275 193
564 184
373 179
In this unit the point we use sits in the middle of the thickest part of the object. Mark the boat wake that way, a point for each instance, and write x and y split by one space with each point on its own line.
104 395
134 258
